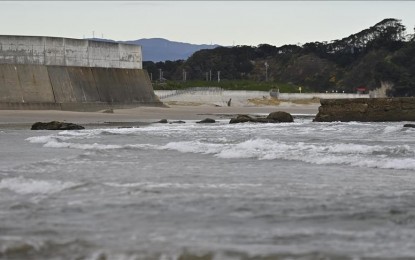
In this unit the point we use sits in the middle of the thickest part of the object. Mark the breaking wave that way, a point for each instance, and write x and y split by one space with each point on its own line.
374 156
25 186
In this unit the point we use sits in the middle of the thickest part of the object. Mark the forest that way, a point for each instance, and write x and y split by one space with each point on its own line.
382 55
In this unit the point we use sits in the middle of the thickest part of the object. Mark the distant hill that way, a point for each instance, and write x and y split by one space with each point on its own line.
381 56
158 49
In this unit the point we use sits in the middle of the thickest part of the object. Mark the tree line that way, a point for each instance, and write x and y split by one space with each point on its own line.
383 53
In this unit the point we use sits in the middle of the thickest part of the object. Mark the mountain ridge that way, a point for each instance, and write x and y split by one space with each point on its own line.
160 49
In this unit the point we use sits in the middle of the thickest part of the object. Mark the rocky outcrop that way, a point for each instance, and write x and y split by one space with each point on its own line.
56 125
281 117
274 117
366 110
206 121
409 125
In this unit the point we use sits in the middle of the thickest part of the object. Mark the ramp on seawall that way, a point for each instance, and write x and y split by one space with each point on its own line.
73 88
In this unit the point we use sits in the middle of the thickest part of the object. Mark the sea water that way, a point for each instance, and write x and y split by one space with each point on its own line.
301 190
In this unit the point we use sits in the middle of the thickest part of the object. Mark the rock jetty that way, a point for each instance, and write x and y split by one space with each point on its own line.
366 110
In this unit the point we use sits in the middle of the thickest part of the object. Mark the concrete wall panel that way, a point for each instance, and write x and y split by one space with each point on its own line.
76 53
21 50
129 54
35 83
108 84
142 90
10 90
83 83
103 54
61 84
54 51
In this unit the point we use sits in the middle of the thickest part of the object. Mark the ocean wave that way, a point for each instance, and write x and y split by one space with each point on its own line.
182 185
26 248
361 155
25 186
392 129
56 142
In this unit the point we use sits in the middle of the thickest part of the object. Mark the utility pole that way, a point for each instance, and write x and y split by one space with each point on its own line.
218 76
161 74
266 71
184 75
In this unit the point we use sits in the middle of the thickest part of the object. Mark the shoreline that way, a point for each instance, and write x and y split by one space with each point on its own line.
145 115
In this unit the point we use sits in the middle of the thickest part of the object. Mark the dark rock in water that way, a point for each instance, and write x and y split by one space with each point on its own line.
206 121
241 119
56 125
177 122
162 121
274 117
281 116
409 125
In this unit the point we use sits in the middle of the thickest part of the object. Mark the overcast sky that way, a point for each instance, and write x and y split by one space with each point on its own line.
218 22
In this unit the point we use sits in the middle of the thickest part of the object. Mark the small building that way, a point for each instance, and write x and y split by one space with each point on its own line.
361 90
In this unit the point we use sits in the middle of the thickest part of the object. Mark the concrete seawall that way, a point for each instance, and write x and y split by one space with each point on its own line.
71 74
73 88
366 110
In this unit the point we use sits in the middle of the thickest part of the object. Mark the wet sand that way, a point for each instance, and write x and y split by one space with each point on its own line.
143 115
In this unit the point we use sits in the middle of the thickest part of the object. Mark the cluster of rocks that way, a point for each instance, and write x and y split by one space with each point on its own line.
274 117
165 121
56 125
331 110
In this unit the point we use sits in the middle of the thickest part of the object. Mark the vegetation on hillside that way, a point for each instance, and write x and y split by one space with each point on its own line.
381 54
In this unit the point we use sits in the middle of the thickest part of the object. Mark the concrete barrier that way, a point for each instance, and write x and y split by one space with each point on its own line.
71 74
73 88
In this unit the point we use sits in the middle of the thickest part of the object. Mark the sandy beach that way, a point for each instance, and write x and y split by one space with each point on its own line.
135 116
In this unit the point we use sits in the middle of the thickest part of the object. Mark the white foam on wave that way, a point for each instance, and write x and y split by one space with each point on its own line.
56 142
193 147
361 155
94 146
392 129
24 186
182 185
41 139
